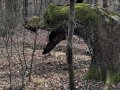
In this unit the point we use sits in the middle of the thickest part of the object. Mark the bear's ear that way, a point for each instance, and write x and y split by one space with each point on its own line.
79 1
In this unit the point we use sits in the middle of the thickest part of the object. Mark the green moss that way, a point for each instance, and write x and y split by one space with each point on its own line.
108 16
93 74
33 21
55 15
108 12
112 77
87 15
109 79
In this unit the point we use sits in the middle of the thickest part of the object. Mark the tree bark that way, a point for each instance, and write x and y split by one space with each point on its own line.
69 45
119 6
0 4
95 2
25 9
105 63
105 3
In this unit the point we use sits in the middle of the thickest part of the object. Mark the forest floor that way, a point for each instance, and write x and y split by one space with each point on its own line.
49 71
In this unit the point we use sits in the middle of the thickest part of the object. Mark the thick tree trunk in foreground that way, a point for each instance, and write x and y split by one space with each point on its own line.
69 45
0 4
105 63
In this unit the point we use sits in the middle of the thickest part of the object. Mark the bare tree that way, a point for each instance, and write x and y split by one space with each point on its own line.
9 23
0 4
119 6
32 57
25 14
105 4
95 2
35 6
69 45
25 10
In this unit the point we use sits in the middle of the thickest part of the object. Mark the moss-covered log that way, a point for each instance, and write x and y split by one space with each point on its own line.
84 14
105 63
102 28
55 15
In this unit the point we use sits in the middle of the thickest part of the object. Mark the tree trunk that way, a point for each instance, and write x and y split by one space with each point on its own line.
87 1
69 45
50 1
95 2
119 6
8 31
25 10
25 14
105 63
105 3
0 4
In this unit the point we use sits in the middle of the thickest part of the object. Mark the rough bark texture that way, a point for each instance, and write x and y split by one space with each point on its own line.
105 63
0 4
102 29
69 44
25 10
105 3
